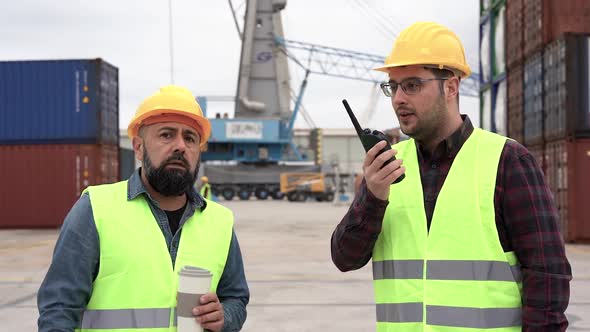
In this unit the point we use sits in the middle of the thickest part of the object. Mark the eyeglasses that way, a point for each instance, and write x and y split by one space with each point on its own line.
410 86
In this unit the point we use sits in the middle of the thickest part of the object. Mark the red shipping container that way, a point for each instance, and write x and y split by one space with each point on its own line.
40 183
568 16
546 20
567 163
514 33
514 79
534 23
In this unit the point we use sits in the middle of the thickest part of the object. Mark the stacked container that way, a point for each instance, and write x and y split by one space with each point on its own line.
547 70
58 135
546 20
567 130
514 46
533 100
568 162
567 86
515 95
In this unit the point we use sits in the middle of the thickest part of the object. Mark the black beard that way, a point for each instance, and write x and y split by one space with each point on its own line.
169 182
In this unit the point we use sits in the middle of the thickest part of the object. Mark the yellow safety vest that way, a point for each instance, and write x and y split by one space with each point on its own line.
206 191
456 277
136 286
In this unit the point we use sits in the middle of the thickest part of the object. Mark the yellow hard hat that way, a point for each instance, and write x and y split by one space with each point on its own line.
204 179
429 44
171 103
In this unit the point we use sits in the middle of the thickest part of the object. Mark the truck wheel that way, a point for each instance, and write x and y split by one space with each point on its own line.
261 193
302 196
328 197
244 194
292 196
228 193
215 190
277 195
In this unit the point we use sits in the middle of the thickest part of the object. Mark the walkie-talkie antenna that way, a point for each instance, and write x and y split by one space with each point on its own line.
355 123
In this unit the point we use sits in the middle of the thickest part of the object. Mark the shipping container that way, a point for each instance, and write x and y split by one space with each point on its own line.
538 151
514 94
41 182
61 101
568 16
514 33
533 99
533 25
567 165
546 20
567 87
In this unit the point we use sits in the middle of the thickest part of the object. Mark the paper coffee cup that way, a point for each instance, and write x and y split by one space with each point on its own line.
193 282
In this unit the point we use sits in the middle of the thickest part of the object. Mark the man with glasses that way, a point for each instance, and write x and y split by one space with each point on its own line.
469 239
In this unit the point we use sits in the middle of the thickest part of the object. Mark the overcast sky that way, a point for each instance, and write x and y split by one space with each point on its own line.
134 36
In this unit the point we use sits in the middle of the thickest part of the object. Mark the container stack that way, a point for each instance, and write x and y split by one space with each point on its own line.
548 88
59 134
515 72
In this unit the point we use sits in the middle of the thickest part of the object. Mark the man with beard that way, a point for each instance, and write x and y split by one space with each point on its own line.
116 261
469 239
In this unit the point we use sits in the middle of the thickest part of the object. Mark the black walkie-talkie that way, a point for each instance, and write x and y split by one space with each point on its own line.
370 137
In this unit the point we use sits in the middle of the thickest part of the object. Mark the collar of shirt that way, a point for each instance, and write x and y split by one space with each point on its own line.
135 188
449 146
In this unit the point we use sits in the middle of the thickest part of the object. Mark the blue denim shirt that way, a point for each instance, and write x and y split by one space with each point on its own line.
66 289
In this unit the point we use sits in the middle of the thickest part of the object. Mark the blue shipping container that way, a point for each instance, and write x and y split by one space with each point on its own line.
60 101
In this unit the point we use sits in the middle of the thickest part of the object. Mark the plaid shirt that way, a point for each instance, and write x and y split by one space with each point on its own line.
526 219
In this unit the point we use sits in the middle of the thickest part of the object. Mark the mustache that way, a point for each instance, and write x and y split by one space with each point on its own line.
175 158
404 109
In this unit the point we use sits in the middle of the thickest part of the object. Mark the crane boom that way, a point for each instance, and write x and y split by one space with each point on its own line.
342 63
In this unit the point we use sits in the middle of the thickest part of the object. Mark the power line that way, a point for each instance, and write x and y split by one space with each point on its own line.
383 30
391 20
383 20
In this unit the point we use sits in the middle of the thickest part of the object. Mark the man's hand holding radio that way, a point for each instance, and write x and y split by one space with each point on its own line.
379 179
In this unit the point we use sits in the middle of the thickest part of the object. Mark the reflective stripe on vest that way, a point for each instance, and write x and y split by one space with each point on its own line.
126 318
454 276
399 312
483 318
446 270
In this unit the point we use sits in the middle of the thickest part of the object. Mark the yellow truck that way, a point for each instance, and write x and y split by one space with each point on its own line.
298 187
